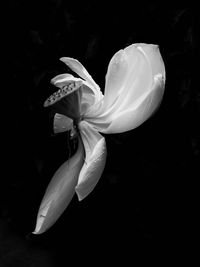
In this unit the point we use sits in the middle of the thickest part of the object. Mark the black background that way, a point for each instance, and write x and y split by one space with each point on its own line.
143 205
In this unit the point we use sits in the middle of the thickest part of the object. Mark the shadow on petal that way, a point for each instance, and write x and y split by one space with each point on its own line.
130 118
60 191
62 123
95 159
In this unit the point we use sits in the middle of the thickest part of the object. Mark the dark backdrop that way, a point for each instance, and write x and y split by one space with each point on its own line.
142 205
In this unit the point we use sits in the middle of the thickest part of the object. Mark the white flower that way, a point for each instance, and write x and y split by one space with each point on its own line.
133 91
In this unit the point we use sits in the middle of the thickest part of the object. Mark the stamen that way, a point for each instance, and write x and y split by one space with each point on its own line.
74 131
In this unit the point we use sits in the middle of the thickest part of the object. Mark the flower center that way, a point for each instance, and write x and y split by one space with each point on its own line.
67 100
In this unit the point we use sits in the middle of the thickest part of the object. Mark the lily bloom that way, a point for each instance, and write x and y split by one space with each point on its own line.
134 88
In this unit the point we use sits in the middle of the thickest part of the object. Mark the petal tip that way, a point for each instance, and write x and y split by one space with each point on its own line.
80 197
62 59
65 59
35 233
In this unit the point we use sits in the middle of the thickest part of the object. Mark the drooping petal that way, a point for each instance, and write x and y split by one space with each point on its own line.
95 159
60 191
62 123
137 96
78 68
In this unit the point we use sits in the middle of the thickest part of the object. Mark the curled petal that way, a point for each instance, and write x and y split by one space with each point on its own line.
78 68
132 117
129 76
95 159
153 55
63 78
60 191
115 77
62 123
138 95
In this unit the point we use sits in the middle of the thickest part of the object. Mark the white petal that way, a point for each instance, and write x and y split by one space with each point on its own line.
115 77
130 118
139 94
152 53
78 68
60 191
95 159
129 76
63 77
62 123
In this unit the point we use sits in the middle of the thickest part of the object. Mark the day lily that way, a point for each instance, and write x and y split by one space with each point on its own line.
134 88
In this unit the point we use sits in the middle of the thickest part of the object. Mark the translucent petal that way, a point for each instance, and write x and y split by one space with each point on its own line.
62 123
87 98
95 159
78 68
60 191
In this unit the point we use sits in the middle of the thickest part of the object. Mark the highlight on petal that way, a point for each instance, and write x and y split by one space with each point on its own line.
152 53
63 78
60 191
78 68
62 123
95 159
115 77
